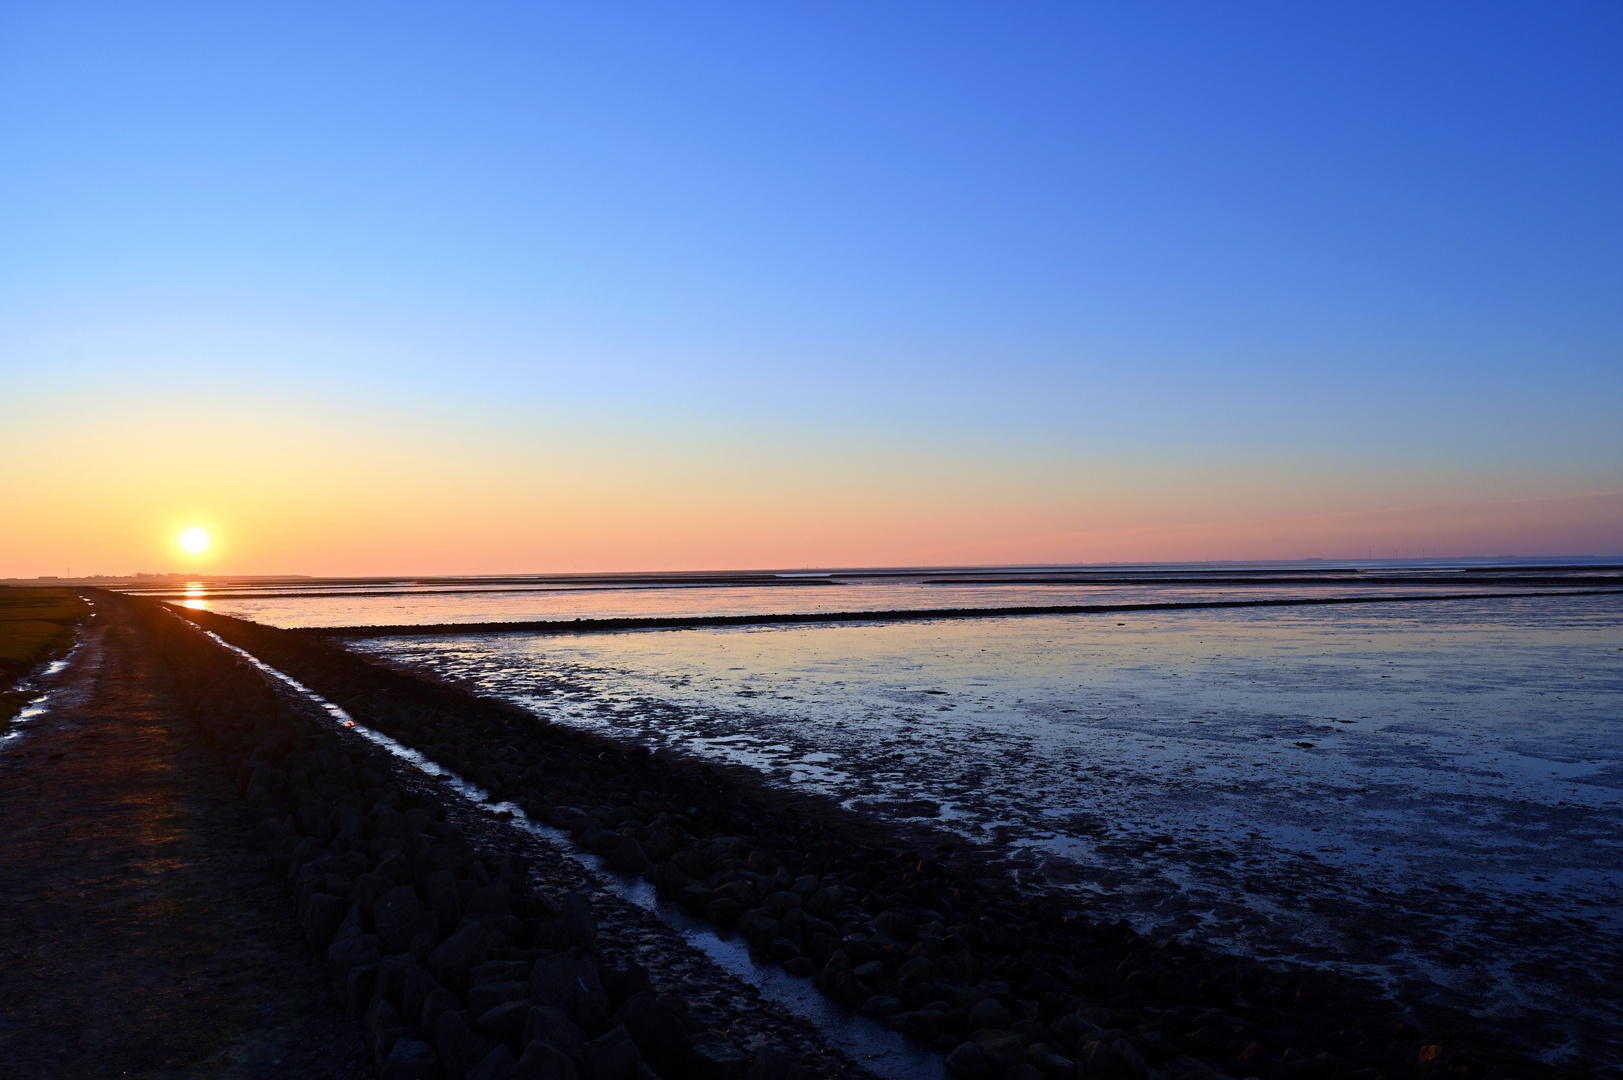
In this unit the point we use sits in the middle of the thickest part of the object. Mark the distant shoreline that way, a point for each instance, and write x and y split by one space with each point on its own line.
590 626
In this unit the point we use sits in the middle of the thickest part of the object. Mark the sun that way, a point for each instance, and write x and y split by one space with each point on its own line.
194 540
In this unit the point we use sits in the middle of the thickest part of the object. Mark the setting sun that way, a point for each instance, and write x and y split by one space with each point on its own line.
194 540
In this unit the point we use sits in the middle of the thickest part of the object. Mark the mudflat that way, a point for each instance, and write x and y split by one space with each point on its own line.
142 933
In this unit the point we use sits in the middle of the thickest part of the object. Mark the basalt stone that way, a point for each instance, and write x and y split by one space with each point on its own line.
917 970
496 1065
453 962
493 899
1004 1051
544 1062
626 856
921 1025
350 949
659 1036
577 919
1025 1071
694 897
438 1002
881 1006
411 1059
723 911
1185 1067
482 997
322 914
692 862
758 927
967 1062
460 1047
504 1022
393 865
613 1055
621 983
1130 1057
801 966
667 880
552 1026
569 981
383 1045
380 1016
836 980
359 987
895 924
988 1013
1306 1067
492 971
416 985
394 914
1050 1062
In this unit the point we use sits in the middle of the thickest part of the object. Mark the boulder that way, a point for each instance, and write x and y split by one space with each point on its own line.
577 919
504 1022
626 856
482 997
552 1026
569 981
613 1055
460 1047
411 1059
322 914
394 914
496 1065
453 962
544 1062
968 1063
660 1037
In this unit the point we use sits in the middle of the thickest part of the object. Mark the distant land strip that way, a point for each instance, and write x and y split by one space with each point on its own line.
598 626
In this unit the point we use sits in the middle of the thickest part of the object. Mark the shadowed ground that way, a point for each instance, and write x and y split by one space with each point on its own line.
141 933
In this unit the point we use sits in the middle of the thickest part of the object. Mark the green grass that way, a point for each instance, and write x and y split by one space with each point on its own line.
35 625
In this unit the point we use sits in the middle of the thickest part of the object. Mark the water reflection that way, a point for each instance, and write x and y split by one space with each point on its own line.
1272 778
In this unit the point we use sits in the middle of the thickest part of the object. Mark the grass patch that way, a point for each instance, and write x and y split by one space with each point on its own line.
35 625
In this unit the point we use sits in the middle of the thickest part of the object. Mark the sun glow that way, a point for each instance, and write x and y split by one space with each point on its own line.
195 541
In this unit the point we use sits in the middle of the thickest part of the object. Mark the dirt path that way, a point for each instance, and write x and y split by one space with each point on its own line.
141 933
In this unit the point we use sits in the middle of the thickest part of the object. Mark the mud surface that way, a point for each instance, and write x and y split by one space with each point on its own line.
1425 801
141 933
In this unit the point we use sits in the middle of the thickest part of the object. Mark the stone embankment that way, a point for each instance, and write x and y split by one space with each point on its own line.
454 963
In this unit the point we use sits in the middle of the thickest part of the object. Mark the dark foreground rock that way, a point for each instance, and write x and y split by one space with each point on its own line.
932 938
435 939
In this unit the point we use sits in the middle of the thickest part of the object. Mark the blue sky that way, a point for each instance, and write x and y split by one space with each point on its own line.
1374 252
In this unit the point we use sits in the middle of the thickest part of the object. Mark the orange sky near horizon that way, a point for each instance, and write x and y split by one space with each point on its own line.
308 490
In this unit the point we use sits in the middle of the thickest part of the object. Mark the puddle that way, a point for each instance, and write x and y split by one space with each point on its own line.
877 1048
39 704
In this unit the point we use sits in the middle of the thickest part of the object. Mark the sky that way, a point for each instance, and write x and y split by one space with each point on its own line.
485 288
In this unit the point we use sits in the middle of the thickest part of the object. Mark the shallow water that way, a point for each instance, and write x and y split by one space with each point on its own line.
409 604
1421 793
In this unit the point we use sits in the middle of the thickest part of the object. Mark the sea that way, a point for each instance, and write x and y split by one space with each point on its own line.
1423 790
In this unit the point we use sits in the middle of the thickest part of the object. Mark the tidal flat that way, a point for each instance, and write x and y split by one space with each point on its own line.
1423 795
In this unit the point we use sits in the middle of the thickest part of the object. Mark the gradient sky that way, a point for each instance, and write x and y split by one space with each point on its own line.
412 288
